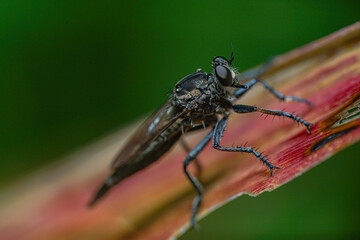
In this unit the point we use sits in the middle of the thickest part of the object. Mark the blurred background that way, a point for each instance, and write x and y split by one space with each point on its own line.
72 72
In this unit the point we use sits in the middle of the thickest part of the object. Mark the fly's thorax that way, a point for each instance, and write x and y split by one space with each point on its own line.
198 92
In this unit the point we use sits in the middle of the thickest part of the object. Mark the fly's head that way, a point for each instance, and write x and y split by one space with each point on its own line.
192 92
223 72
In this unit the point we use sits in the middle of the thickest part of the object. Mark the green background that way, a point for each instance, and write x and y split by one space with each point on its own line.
73 71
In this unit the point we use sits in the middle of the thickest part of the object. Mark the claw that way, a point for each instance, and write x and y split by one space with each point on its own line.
308 127
271 167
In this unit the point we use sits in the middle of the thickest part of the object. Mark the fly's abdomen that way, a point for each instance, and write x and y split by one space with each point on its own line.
149 153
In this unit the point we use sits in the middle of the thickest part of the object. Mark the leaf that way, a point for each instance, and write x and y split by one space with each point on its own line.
155 203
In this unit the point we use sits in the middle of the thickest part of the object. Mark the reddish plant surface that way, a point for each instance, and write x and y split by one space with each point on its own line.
155 203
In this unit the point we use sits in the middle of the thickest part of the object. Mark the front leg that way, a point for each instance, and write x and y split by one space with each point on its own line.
282 97
247 109
247 86
219 130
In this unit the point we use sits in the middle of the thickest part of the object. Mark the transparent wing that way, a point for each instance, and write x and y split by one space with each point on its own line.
147 132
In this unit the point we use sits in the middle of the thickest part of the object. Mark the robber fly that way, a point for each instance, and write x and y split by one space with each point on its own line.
199 100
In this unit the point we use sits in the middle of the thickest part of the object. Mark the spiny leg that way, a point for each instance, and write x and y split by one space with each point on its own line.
247 109
282 97
250 77
247 86
219 130
196 184
208 122
187 149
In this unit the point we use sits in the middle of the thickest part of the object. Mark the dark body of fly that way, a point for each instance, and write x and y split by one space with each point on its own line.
198 101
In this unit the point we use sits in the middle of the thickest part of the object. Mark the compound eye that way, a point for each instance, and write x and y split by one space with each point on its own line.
223 74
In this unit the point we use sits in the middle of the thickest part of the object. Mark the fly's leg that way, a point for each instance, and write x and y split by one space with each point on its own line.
219 130
241 91
196 184
209 121
247 109
247 86
250 77
186 147
282 97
